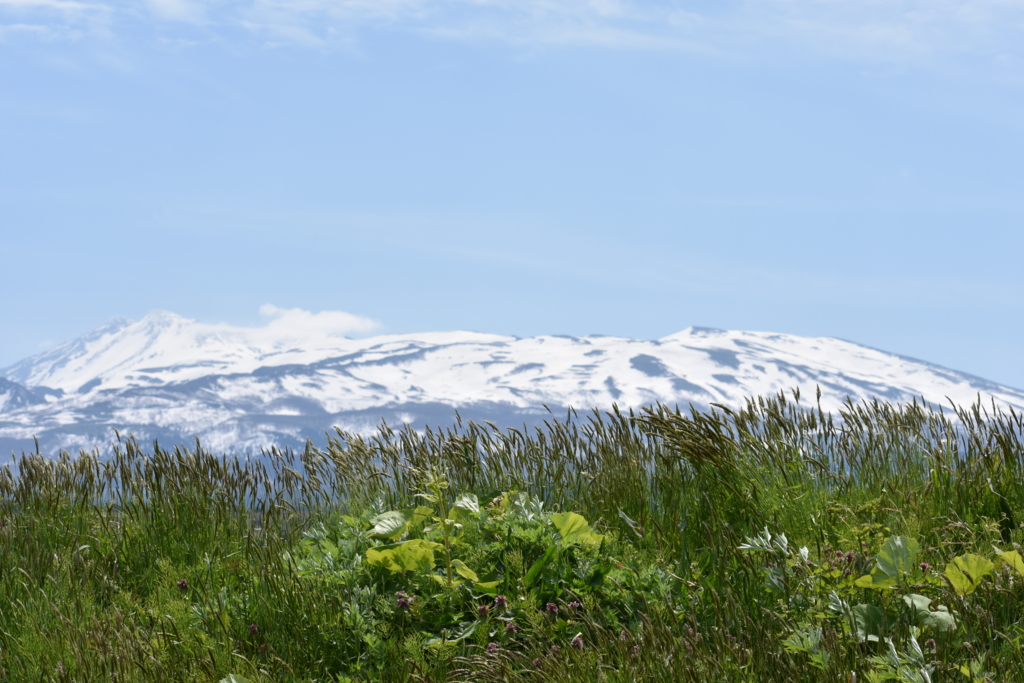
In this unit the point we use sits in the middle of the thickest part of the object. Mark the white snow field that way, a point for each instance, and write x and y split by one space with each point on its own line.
241 389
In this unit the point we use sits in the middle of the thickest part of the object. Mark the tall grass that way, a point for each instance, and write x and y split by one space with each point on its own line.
156 564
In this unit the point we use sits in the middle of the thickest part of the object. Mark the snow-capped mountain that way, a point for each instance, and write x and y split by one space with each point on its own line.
239 389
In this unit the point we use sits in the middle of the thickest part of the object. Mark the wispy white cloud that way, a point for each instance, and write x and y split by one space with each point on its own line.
54 20
886 30
177 10
62 5
302 322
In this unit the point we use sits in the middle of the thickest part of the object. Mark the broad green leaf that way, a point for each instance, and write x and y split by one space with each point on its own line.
465 572
866 581
938 619
1013 559
898 556
489 587
466 504
414 555
966 572
877 579
870 622
538 567
574 528
393 524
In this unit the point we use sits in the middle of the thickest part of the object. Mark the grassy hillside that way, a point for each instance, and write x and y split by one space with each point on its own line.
777 543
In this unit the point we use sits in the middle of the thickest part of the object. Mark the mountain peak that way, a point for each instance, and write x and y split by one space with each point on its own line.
170 377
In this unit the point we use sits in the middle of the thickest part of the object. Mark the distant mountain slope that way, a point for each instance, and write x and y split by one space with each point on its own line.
239 389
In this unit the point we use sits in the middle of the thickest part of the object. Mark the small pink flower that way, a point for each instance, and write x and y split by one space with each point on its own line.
552 609
577 642
254 629
500 602
492 647
511 628
183 584
924 566
482 611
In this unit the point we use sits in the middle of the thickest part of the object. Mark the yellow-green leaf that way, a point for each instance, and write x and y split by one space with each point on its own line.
1013 559
462 570
877 579
574 528
866 581
414 555
966 572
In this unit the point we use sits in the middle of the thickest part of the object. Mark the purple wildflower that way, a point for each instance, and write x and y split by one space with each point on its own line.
635 651
403 603
577 642
924 566
555 650
183 584
930 644
839 553
849 556
536 663
511 628
574 605
552 609
254 629
500 602
492 647
482 611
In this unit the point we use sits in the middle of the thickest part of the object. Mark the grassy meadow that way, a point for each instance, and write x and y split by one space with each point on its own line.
773 543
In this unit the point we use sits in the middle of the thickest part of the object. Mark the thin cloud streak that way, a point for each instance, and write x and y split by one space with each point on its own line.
874 30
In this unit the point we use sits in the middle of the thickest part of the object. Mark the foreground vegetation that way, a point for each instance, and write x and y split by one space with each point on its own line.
776 543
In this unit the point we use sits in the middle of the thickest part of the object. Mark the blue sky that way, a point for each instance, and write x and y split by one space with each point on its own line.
847 168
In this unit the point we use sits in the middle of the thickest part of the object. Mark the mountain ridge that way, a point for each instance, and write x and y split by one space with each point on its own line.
172 378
